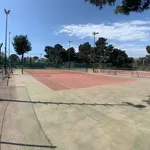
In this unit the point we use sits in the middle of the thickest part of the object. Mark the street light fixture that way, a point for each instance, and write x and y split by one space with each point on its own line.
94 33
7 12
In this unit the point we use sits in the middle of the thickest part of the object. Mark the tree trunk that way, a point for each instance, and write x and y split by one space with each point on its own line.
22 63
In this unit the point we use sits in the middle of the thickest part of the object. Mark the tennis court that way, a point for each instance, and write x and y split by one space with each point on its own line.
66 79
111 112
124 72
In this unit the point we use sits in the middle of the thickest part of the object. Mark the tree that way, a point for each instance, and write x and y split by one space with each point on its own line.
119 58
85 52
30 61
148 49
100 53
58 49
35 58
64 55
1 48
71 53
14 58
24 60
21 45
126 6
50 53
55 54
43 60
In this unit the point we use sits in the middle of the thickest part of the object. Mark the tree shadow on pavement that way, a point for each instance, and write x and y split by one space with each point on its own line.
80 104
28 145
147 101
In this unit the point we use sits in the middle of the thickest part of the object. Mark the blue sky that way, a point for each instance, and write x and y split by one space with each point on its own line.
49 22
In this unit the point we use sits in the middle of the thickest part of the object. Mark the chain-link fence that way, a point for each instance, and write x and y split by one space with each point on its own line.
2 75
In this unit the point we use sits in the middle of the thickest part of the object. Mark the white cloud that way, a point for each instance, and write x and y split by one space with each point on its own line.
133 50
72 45
121 31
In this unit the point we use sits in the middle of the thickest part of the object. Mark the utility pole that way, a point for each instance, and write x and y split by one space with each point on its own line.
94 33
69 54
5 63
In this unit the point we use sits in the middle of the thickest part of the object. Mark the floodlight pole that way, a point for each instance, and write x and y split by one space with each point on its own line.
5 64
9 52
9 45
94 33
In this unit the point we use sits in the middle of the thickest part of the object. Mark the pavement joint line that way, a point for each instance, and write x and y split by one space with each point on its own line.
37 118
4 120
27 145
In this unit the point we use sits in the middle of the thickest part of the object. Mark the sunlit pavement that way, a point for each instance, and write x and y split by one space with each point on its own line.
114 117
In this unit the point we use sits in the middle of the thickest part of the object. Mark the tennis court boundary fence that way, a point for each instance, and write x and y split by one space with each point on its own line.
133 73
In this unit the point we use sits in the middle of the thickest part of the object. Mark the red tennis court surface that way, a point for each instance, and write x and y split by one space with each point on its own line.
64 80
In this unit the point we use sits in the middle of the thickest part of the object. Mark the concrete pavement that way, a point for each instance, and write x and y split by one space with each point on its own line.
20 128
121 123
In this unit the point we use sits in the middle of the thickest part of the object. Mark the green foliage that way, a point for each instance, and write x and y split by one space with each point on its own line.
125 7
148 49
50 53
1 62
35 59
21 45
71 52
84 52
100 55
143 63
14 58
56 54
101 50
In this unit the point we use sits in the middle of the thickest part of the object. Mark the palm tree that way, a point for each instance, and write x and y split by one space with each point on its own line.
21 45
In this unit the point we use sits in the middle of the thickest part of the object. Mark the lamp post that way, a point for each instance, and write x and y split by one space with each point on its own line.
9 52
94 33
7 12
69 53
9 45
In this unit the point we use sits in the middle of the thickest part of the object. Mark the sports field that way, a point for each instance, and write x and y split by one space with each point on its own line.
77 111
67 79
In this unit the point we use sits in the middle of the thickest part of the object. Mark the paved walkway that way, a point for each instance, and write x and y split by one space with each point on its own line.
19 125
114 117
